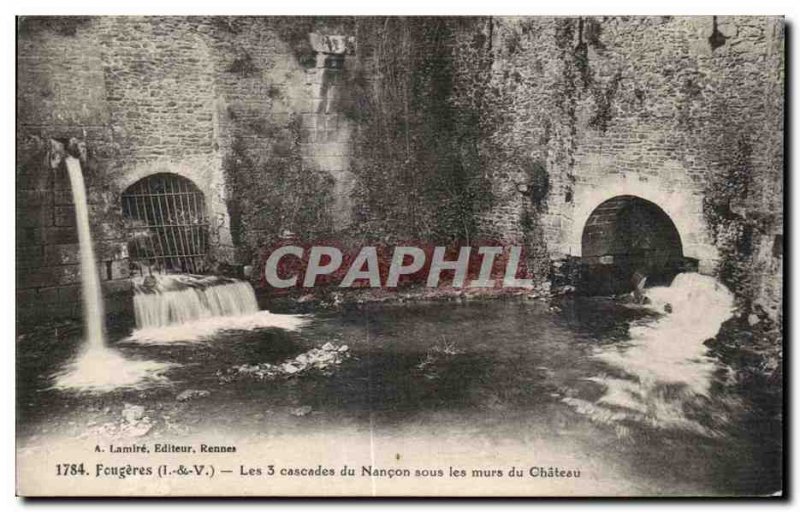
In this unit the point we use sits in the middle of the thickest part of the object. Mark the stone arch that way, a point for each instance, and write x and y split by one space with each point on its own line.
681 203
206 173
627 225
167 224
624 236
194 171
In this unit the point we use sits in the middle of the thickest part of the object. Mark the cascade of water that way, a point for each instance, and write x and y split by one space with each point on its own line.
183 308
181 299
97 368
90 282
187 308
671 350
665 363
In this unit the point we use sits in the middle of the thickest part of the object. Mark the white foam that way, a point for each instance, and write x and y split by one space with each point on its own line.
203 329
671 349
102 369
668 351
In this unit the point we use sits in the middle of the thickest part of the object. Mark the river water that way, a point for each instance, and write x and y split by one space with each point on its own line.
623 392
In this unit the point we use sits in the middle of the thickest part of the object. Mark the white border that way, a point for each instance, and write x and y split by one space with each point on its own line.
308 7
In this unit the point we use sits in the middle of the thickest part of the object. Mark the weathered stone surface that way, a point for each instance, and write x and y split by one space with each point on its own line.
639 106
644 107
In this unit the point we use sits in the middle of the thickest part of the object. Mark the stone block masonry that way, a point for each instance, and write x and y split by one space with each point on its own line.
557 115
646 106
162 94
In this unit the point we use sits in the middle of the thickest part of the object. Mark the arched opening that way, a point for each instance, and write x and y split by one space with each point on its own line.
626 235
167 225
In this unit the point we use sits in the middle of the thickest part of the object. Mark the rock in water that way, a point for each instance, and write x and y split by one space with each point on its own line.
319 359
303 410
191 394
132 413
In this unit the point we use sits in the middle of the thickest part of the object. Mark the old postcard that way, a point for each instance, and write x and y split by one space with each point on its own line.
399 256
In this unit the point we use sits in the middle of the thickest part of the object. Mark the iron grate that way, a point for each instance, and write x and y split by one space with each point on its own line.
167 224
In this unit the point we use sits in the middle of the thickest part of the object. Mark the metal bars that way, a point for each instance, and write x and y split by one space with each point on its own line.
167 224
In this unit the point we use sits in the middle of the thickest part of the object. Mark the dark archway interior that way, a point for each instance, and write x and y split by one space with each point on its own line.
627 235
167 224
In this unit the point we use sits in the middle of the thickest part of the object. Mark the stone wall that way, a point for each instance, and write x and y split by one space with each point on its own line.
61 94
510 129
655 107
184 95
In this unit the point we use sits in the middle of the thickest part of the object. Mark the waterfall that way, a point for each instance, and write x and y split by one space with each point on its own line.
180 299
664 366
97 367
90 282
671 349
173 307
168 308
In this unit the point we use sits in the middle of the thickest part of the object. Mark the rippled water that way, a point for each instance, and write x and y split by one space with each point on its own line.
623 388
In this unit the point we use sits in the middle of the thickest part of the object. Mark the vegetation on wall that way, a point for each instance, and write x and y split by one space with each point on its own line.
733 232
271 190
750 344
61 25
415 98
739 221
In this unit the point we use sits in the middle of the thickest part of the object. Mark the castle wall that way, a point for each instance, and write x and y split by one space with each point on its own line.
685 112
